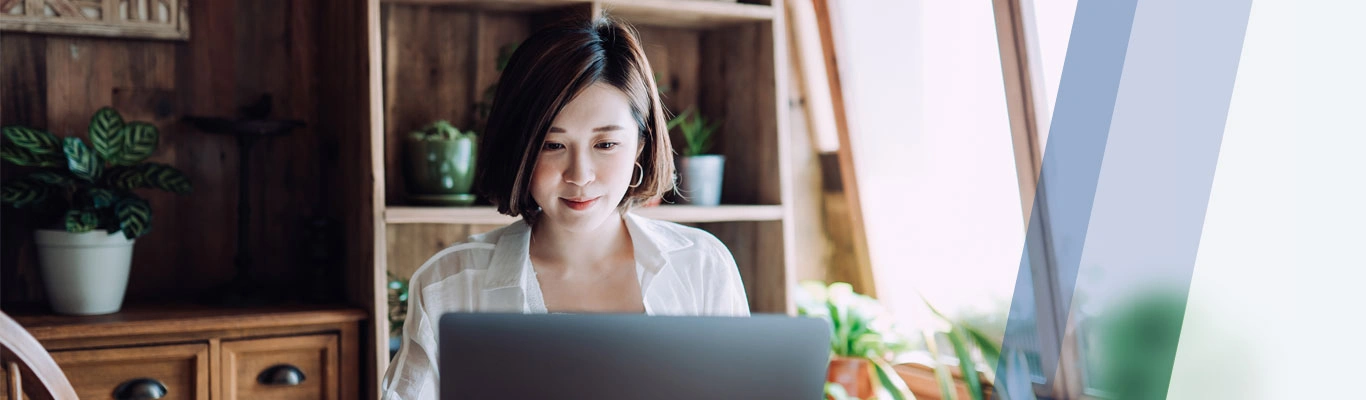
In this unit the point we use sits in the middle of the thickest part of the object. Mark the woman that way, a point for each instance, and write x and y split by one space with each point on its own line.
575 139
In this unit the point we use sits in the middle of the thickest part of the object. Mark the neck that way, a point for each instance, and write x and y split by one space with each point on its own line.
573 252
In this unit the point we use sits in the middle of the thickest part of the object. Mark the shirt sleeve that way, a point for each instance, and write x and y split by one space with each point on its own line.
728 296
412 374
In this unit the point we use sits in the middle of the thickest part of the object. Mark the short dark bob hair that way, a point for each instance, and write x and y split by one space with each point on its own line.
544 74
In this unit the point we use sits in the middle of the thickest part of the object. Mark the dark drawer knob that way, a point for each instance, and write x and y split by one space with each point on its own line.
140 389
281 375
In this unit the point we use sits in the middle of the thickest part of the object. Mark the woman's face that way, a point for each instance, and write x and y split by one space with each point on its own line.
587 160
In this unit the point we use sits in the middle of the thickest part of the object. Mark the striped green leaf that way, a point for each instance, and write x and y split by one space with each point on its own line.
78 221
126 178
139 141
80 160
23 192
51 177
33 140
97 198
20 156
165 177
105 134
135 217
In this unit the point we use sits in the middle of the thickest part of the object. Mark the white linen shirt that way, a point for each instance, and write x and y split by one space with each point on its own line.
682 271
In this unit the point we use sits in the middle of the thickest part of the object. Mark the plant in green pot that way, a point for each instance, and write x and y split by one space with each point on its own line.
440 165
700 171
84 198
863 342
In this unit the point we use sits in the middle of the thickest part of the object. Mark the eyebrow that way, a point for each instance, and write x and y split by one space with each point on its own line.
605 128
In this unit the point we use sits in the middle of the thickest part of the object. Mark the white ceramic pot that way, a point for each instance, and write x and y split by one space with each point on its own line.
700 179
84 273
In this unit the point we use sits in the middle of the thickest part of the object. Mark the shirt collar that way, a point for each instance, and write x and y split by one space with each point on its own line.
512 253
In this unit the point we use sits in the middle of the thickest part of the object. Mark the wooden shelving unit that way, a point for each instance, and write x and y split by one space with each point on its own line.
432 59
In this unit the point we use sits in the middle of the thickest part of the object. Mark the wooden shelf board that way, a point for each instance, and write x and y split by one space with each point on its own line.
686 13
675 13
148 319
490 216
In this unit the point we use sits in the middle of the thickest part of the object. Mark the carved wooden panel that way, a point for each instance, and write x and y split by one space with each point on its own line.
153 19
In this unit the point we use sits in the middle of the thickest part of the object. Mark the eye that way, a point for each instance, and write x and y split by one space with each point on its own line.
552 146
608 145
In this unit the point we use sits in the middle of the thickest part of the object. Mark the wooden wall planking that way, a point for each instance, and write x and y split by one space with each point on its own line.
673 55
739 88
57 82
424 48
411 245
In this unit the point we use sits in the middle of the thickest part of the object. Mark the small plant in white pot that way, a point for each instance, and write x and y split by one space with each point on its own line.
700 171
83 196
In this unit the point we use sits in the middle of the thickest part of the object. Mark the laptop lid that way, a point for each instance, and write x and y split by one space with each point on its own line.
619 357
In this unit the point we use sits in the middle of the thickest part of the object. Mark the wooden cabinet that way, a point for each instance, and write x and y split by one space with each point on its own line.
178 372
295 367
202 354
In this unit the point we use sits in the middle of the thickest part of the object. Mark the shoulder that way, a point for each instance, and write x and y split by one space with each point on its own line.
675 236
692 249
471 255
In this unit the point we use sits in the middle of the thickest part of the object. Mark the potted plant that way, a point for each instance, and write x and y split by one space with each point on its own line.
84 197
441 162
700 171
863 342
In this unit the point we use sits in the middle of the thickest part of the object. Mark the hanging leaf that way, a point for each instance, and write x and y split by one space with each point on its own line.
139 141
126 178
990 348
80 160
165 177
135 217
23 192
966 365
78 221
941 371
20 156
106 135
35 141
891 381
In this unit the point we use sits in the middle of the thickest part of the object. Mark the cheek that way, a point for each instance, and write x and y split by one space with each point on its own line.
544 177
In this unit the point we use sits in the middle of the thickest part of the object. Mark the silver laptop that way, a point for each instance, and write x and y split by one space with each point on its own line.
619 357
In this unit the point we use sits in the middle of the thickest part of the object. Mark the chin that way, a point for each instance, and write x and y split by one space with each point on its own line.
585 221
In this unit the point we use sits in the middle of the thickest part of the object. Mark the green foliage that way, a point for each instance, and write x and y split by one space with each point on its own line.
485 105
398 303
440 130
859 327
90 187
964 338
698 133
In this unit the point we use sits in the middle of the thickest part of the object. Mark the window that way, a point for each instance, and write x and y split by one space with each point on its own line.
949 108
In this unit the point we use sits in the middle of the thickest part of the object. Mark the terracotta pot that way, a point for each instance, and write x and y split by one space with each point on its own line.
855 374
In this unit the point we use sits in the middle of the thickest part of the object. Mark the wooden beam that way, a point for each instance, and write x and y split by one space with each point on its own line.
862 276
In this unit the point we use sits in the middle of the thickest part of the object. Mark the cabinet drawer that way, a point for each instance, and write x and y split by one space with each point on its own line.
181 370
298 367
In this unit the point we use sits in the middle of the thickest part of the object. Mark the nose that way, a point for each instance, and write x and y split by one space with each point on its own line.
580 171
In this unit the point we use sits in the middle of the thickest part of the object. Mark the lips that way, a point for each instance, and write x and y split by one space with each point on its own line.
580 204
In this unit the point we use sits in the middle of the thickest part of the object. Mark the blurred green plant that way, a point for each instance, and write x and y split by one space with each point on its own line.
398 302
964 338
698 133
440 130
859 328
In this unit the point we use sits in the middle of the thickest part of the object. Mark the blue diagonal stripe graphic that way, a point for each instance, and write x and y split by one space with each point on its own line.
1121 200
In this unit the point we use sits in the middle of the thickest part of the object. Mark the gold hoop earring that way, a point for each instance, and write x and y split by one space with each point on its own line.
641 179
